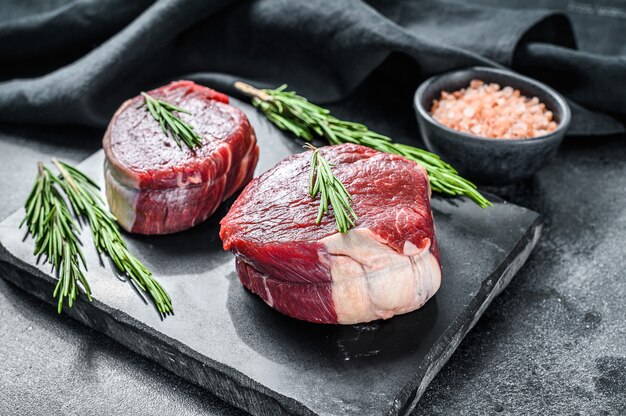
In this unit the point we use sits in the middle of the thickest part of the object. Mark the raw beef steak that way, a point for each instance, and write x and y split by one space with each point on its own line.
156 187
387 265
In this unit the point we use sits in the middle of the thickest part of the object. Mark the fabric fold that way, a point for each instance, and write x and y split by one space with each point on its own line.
75 63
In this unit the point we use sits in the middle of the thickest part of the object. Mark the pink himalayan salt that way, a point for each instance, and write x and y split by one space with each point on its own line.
487 110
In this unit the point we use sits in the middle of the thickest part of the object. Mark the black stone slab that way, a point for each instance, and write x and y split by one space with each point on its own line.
228 341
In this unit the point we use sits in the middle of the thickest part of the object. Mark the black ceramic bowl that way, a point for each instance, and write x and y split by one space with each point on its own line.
485 160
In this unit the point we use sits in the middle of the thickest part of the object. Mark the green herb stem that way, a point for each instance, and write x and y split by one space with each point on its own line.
87 202
171 124
53 210
332 192
306 120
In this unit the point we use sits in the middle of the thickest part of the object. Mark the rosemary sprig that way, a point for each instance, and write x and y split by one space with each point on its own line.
296 114
333 192
56 229
86 201
172 125
50 222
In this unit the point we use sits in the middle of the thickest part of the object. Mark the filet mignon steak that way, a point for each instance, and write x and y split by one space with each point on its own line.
153 186
387 265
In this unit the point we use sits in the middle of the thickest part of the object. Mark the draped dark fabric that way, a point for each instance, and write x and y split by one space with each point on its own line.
74 62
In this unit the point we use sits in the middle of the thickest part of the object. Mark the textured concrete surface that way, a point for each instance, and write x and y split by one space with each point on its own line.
554 342
51 364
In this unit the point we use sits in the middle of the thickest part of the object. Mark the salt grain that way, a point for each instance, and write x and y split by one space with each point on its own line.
490 111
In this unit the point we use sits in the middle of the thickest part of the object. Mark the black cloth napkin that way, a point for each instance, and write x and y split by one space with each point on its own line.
74 62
